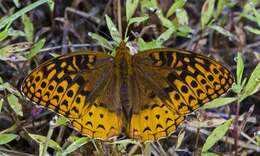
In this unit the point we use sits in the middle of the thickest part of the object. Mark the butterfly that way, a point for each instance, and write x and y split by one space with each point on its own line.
146 95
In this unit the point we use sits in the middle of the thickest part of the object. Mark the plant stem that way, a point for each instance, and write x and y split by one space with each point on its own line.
236 127
50 132
147 149
95 145
119 17
197 138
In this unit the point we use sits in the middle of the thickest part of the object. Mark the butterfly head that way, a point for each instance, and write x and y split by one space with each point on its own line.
122 53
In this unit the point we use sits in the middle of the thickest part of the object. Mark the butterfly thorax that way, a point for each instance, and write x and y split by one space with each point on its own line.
123 56
123 66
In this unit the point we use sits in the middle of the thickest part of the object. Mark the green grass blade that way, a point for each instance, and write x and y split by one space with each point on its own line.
219 102
28 27
4 21
75 145
176 5
113 30
41 140
101 40
6 138
207 12
36 48
131 6
15 105
240 68
252 84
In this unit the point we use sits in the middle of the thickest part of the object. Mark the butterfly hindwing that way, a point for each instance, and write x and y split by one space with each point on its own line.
103 118
151 118
71 85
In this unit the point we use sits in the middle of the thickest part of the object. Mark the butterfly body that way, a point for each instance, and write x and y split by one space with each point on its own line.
123 68
146 95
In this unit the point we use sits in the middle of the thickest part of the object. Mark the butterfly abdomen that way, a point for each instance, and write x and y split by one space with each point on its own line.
124 78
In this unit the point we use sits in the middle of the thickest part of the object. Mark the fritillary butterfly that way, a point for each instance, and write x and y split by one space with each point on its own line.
146 94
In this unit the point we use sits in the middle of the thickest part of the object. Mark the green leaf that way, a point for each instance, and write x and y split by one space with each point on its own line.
28 27
165 21
220 7
12 90
5 33
184 31
72 138
247 12
147 45
133 20
258 138
223 31
61 121
4 21
209 154
51 4
178 4
15 33
113 30
216 135
36 48
252 30
257 15
131 6
150 5
1 104
75 145
182 17
122 144
219 102
164 36
240 68
41 148
137 20
1 80
101 40
15 105
206 12
42 139
6 138
252 84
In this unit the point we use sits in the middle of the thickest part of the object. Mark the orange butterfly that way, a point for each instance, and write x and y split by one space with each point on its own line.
145 95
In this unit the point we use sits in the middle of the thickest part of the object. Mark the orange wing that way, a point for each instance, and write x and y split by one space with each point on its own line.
173 81
75 86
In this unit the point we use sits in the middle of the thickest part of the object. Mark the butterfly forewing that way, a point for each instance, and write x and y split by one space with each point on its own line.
71 86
